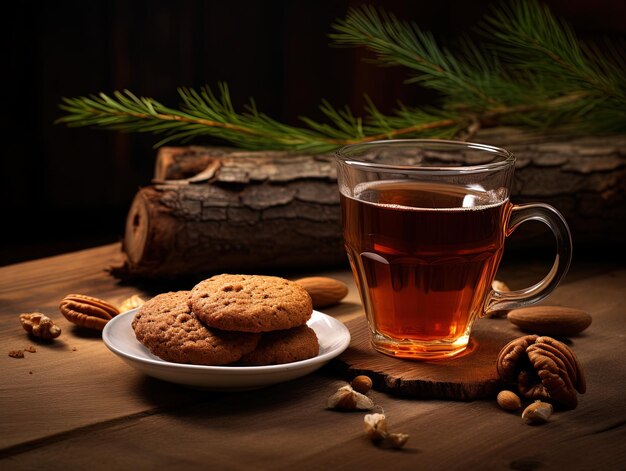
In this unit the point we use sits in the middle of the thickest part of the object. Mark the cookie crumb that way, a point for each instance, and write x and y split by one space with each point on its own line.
30 349
30 372
74 349
16 354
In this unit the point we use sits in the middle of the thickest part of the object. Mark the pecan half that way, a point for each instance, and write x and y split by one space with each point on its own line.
86 311
544 369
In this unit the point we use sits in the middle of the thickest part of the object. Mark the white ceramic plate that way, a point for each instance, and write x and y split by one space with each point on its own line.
119 337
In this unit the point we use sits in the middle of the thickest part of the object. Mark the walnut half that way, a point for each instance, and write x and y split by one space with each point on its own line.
544 369
39 325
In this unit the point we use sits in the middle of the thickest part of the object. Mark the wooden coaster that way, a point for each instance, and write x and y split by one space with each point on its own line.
471 375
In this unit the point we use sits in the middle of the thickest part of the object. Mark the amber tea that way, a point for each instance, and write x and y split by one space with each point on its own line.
423 255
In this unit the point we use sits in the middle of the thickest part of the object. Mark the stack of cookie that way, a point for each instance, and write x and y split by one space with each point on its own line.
242 319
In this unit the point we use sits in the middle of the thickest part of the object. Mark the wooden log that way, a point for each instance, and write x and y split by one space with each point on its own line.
583 177
244 211
214 209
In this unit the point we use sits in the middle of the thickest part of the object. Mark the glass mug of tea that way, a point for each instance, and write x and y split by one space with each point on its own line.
424 225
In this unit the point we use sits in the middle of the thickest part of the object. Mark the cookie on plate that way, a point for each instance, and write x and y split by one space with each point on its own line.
250 303
283 346
168 328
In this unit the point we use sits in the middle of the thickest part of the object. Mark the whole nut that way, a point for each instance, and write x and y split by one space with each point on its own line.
361 384
39 325
324 291
550 320
87 311
508 400
537 413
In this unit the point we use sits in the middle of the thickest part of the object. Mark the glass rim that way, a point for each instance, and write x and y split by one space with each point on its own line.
343 156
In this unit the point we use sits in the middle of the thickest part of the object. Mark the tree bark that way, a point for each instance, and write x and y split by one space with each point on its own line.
237 211
583 177
212 209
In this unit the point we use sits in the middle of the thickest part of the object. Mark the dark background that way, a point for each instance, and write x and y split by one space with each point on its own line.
65 189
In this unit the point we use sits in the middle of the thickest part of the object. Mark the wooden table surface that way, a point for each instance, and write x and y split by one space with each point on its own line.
75 405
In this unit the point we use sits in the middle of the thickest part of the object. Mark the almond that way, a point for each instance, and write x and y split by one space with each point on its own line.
508 400
324 291
550 320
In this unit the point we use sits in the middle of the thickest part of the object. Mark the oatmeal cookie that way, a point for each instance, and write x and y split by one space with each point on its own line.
168 328
250 303
283 346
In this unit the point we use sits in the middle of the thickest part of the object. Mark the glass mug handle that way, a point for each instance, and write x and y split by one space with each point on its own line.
506 300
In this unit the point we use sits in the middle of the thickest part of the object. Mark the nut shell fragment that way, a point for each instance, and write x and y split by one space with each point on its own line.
39 325
376 431
537 413
87 311
347 398
397 440
375 427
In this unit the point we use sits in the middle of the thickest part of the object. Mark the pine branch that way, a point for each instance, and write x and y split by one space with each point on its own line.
532 39
401 43
204 113
544 62
547 77
536 43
